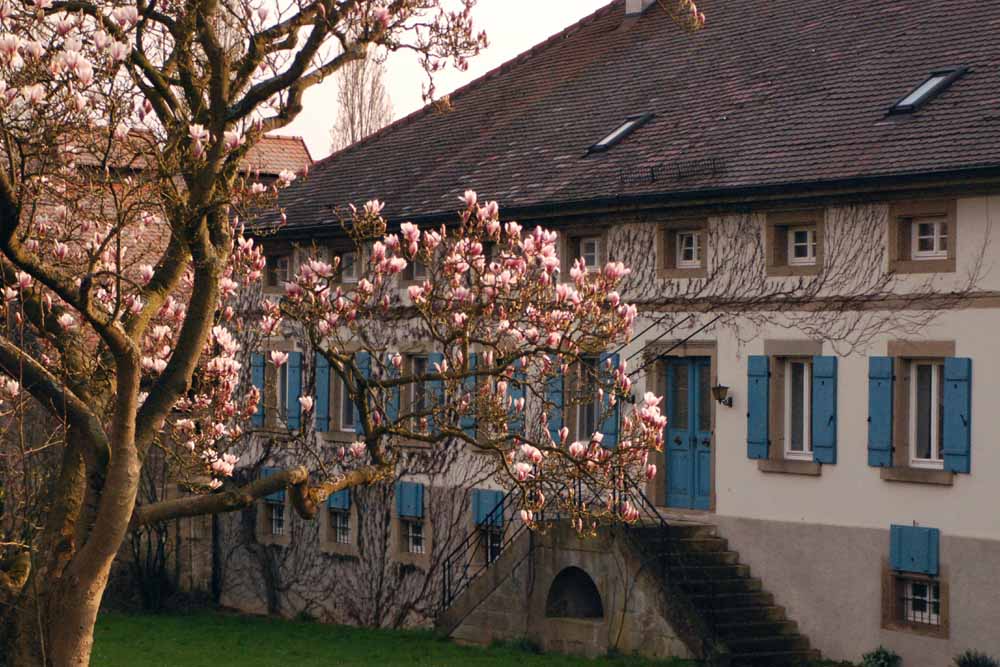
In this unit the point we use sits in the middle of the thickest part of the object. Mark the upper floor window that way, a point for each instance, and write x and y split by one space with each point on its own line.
926 413
419 394
929 238
631 124
349 267
347 420
340 526
802 246
589 250
418 270
279 270
589 409
689 249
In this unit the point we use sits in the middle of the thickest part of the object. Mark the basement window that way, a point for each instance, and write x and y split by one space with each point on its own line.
631 124
933 86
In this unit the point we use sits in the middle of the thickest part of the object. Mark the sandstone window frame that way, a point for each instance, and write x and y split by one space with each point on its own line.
328 536
778 227
668 248
894 610
780 353
901 235
399 547
570 239
275 254
904 353
265 522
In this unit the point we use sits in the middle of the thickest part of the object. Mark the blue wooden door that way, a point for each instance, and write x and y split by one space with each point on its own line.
689 432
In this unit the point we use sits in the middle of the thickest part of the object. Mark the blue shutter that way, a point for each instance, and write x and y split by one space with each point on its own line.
880 389
392 406
435 389
322 393
914 549
487 507
957 390
292 407
257 368
758 404
516 390
469 418
341 500
609 428
278 497
824 409
363 360
410 499
554 397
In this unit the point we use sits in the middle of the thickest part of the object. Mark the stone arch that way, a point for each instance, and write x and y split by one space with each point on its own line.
573 594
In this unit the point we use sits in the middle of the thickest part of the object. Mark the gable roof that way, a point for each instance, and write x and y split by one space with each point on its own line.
770 93
274 153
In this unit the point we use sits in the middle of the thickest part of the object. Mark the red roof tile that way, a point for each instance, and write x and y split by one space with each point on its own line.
274 153
771 92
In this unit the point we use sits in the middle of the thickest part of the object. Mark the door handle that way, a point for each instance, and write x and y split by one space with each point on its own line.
707 442
677 440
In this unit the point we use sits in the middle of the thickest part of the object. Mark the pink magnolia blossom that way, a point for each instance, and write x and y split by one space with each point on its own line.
278 358
306 402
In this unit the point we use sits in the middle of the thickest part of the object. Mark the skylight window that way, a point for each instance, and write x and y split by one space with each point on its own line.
631 124
935 84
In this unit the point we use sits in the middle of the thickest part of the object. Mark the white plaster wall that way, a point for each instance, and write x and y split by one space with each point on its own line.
851 493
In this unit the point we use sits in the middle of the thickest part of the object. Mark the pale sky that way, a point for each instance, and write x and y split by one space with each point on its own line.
513 26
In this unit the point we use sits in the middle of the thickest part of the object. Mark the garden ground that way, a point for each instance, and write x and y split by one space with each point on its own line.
208 639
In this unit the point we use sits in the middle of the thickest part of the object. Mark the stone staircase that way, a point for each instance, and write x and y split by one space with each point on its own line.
751 628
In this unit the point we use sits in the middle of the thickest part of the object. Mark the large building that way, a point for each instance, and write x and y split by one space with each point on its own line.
806 193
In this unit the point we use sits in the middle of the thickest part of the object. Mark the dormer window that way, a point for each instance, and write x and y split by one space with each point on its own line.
802 246
590 252
689 249
935 84
930 238
631 124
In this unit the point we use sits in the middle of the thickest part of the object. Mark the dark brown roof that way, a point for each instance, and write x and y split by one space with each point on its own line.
274 153
771 92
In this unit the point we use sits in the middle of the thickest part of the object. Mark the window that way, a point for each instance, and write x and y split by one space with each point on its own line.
631 124
926 413
413 532
688 250
921 602
935 84
794 242
798 403
346 409
349 269
915 603
340 526
589 250
802 246
492 539
281 391
589 409
930 239
276 517
418 270
279 270
420 365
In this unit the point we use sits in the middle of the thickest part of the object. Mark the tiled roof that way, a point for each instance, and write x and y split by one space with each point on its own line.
274 153
771 92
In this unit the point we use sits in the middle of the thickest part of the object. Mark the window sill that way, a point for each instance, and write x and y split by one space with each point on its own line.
338 549
790 467
918 476
938 631
923 266
681 274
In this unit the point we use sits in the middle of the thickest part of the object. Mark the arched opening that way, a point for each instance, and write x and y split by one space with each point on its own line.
573 595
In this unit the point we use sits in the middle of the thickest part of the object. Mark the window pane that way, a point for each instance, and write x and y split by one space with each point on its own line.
798 379
704 398
924 88
680 373
419 390
923 411
346 407
939 397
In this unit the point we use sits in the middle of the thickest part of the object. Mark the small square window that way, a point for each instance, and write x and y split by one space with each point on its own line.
340 525
689 250
349 268
418 270
279 270
413 531
589 250
926 414
802 246
929 238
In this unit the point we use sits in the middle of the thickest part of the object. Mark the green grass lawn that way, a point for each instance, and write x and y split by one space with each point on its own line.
224 640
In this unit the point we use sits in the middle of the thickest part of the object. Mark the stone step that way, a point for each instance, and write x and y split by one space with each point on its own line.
749 614
729 631
719 601
768 644
774 659
698 572
720 586
693 558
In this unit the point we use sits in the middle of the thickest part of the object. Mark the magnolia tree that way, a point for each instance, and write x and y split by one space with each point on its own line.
123 263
